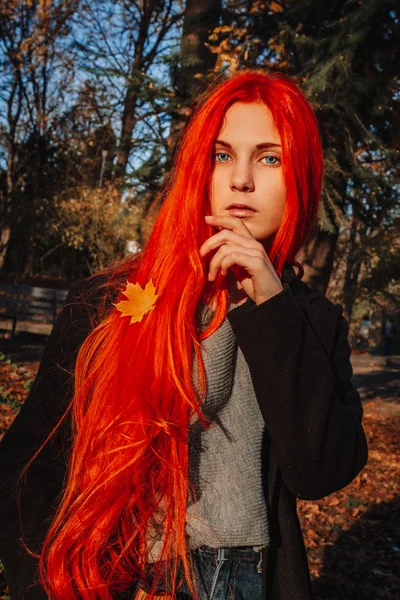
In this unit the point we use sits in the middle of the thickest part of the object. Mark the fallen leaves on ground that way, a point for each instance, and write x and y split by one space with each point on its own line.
13 384
353 536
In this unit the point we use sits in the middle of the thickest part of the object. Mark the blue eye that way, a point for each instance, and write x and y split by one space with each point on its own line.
217 154
271 160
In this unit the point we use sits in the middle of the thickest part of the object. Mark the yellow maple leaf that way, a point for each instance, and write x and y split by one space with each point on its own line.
140 301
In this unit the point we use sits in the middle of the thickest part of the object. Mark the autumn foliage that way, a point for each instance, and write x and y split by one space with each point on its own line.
140 301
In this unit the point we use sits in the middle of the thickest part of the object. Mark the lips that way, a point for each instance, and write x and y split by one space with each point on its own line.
241 206
241 210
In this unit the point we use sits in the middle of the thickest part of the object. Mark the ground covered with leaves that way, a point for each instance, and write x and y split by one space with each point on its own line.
352 537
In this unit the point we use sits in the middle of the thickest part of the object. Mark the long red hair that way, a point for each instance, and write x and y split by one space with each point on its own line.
134 393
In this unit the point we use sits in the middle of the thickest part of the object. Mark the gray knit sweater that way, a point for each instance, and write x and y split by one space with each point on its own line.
225 460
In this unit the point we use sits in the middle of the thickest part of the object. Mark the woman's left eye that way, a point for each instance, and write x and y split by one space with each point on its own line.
271 160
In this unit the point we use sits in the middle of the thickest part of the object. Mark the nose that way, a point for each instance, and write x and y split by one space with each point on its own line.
242 178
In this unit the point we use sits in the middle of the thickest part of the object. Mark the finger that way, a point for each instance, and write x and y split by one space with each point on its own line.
229 222
225 250
232 237
253 264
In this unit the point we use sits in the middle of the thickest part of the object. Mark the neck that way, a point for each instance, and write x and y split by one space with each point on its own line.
235 291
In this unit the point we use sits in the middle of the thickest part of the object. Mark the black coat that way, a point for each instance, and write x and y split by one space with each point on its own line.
296 348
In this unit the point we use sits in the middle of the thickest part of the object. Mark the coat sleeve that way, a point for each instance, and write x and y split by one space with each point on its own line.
46 403
299 358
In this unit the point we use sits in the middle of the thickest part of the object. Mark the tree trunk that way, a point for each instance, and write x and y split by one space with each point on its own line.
4 241
5 231
128 124
131 95
196 62
353 267
317 256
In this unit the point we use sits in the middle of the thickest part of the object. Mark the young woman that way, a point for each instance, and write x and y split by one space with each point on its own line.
188 396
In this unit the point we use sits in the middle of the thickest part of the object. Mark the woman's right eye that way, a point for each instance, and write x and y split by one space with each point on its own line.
217 154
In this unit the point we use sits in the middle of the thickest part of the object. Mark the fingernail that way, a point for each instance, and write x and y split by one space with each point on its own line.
208 216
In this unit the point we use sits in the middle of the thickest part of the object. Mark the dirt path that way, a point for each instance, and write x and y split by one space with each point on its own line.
377 376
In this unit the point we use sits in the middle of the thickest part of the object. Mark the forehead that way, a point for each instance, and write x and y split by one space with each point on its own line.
252 121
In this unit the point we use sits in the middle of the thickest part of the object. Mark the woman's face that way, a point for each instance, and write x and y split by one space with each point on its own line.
248 170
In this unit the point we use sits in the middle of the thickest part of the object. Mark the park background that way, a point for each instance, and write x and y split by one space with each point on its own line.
93 98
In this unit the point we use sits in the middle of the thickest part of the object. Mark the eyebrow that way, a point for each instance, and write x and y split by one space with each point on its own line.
261 146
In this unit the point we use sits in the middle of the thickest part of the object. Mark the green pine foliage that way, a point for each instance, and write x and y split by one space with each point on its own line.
345 55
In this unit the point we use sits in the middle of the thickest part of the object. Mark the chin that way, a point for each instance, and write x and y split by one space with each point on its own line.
267 242
262 236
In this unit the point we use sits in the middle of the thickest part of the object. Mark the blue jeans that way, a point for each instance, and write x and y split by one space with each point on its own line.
225 574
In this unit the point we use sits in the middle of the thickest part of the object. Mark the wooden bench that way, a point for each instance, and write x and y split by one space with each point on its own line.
27 303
